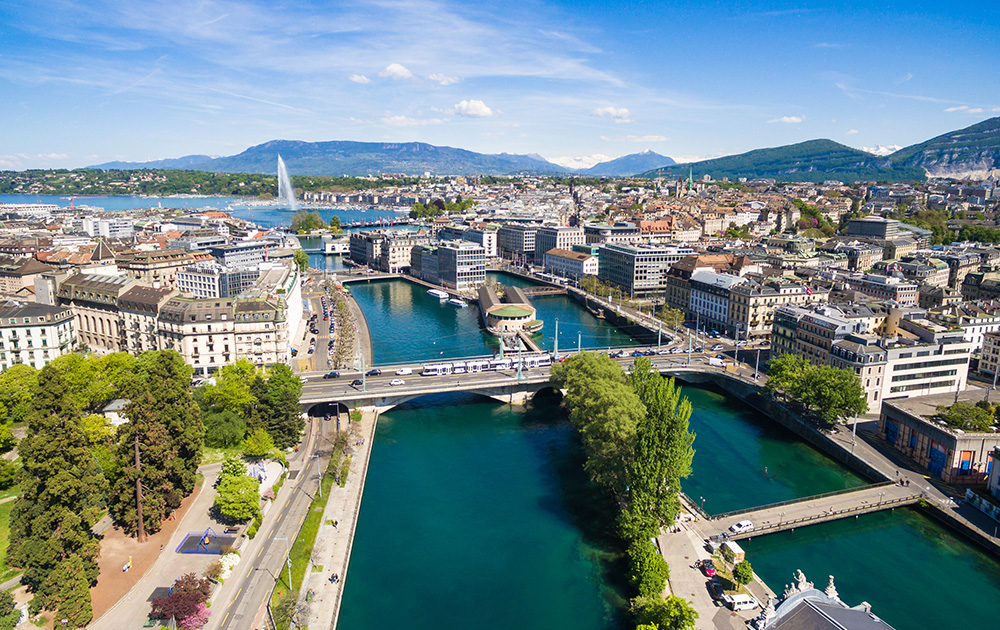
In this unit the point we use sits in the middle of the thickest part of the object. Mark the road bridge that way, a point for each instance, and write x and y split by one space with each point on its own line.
832 506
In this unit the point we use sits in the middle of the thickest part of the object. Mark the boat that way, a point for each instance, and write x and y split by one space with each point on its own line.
438 293
460 303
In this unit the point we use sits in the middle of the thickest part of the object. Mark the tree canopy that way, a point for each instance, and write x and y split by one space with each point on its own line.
834 394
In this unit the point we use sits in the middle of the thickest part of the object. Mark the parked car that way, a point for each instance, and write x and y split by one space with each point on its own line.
334 374
740 602
716 590
374 372
708 568
741 527
397 381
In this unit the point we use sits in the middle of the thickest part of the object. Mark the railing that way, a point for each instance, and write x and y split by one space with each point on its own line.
802 500
831 515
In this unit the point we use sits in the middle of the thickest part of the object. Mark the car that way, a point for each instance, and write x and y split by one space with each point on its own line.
637 353
665 351
699 349
649 353
403 372
740 602
312 349
741 527
716 590
397 381
357 382
374 372
333 374
717 347
708 568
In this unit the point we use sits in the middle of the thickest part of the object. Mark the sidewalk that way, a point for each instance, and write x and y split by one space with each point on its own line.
332 551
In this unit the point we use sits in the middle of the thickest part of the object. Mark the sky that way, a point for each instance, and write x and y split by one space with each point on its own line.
85 82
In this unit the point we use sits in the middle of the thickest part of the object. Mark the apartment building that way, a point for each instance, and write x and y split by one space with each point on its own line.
516 241
621 233
570 264
549 237
139 309
34 334
752 304
94 301
156 268
212 280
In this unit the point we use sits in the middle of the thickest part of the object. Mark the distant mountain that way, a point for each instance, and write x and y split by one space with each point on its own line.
972 152
811 161
181 163
366 158
628 165
880 150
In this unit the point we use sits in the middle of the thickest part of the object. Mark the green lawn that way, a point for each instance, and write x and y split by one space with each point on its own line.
211 455
5 573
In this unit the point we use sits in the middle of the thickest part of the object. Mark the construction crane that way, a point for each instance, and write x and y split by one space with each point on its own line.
74 197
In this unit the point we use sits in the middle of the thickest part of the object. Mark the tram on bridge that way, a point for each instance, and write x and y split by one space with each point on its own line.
525 362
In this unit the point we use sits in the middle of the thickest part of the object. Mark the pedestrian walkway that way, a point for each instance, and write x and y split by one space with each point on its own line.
335 538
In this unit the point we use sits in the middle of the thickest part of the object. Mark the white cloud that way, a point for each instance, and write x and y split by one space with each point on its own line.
406 121
617 114
852 132
396 72
791 120
958 108
474 109
18 161
360 78
630 138
441 79
975 110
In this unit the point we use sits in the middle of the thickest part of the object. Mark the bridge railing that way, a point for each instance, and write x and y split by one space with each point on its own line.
801 500
829 515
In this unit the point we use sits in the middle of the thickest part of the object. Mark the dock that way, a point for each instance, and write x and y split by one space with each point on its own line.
822 508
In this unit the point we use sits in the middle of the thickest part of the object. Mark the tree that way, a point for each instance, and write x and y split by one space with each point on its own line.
966 416
335 227
304 222
301 259
671 613
648 572
784 374
9 614
16 386
224 429
231 391
233 466
238 497
743 572
257 444
8 474
62 497
672 317
188 593
98 429
834 393
283 415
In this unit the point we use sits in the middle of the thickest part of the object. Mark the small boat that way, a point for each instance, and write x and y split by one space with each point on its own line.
460 303
438 293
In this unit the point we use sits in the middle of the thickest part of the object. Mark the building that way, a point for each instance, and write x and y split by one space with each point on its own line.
678 294
201 330
461 265
139 309
709 298
212 280
115 227
511 315
240 254
752 304
873 227
387 251
94 301
556 237
570 264
622 233
516 241
487 239
638 269
156 268
261 330
17 274
955 456
804 607
34 334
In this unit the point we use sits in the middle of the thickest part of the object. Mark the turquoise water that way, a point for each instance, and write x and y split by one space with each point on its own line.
511 280
406 324
744 459
477 515
915 572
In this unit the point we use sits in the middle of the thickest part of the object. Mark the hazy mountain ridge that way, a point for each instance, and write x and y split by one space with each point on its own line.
628 165
972 152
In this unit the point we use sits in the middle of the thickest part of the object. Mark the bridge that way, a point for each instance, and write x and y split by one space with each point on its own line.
538 291
822 508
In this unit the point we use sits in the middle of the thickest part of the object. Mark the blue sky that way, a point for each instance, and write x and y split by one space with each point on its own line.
88 82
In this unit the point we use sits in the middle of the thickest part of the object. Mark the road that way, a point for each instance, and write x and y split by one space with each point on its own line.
253 579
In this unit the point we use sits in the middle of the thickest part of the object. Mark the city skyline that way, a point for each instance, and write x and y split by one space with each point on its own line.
102 81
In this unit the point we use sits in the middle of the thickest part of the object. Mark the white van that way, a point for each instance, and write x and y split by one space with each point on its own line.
404 371
741 602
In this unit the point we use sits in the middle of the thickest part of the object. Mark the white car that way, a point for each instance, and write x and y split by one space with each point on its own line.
397 381
717 347
741 527
404 372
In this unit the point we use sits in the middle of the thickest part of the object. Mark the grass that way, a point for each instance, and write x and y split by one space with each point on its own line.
6 573
212 455
12 491
302 547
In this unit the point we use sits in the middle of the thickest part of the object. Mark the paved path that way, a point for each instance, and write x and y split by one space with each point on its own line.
333 544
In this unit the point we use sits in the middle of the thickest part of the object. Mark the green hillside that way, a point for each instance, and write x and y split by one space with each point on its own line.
811 161
974 148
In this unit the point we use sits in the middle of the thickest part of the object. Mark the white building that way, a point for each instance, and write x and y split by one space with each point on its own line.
34 334
569 264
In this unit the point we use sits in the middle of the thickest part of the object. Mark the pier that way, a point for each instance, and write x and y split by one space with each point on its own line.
832 506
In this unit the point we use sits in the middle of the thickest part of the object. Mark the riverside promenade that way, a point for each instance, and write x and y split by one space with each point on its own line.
332 551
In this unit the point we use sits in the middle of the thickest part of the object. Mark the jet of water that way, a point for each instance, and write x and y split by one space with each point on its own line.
286 194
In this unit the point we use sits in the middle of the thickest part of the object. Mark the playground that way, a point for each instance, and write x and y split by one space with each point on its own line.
207 542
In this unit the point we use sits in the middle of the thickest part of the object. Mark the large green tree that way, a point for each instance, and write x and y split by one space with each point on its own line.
283 415
670 613
238 497
62 496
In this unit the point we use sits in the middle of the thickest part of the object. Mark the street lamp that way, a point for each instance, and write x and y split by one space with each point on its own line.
288 561
702 504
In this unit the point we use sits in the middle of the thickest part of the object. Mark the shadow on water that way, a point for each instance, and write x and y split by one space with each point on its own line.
576 500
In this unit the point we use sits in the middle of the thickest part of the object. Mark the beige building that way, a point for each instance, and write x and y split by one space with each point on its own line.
94 301
139 309
156 268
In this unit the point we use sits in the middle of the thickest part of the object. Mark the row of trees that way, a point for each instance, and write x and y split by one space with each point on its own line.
833 394
634 431
437 207
304 222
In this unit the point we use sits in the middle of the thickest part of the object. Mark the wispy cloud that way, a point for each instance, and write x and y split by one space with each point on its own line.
474 109
359 78
406 121
617 114
903 79
442 79
789 120
396 72
852 132
630 138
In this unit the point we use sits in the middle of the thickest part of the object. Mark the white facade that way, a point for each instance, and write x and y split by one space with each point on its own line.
34 334
570 264
487 239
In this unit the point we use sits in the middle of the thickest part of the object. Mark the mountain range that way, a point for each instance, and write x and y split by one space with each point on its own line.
970 152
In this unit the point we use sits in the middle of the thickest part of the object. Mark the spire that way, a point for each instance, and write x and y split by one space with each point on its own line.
690 178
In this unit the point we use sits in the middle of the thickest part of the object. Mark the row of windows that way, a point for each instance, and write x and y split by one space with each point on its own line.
919 386
929 364
918 375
